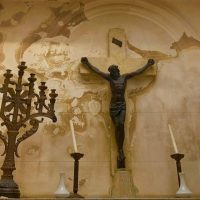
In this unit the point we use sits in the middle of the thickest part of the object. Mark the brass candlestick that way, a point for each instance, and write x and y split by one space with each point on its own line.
20 104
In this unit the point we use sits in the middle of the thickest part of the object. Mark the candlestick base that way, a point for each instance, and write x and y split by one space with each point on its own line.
72 195
183 190
62 190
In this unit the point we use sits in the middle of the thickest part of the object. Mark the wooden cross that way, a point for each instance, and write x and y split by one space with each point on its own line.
117 46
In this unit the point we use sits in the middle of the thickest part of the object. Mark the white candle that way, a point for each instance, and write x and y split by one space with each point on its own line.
73 135
173 139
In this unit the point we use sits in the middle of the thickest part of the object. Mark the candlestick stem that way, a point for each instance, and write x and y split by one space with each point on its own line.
177 157
77 157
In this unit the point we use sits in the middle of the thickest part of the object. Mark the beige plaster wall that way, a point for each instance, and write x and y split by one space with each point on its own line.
52 36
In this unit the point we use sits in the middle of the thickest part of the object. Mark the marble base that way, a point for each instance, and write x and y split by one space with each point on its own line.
122 186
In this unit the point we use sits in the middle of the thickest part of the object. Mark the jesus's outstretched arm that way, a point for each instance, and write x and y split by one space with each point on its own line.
84 61
139 71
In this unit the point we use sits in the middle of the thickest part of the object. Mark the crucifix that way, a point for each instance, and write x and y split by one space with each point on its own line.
117 57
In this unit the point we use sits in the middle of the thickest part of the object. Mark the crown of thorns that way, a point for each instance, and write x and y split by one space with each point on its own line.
113 67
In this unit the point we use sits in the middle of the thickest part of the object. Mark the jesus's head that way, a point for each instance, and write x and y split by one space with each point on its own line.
114 71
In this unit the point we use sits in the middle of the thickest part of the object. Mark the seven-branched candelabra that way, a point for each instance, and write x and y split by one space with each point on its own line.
20 104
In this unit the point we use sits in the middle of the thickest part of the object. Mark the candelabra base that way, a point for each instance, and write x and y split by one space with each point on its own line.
73 195
9 188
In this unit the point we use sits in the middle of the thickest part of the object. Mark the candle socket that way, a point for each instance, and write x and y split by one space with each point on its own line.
76 156
177 157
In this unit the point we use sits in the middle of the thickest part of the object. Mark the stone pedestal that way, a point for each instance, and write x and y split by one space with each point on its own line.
122 184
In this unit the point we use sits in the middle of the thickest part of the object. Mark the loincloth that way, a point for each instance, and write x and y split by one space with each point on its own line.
116 108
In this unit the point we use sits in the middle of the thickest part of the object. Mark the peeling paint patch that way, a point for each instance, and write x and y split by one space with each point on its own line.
2 55
185 42
157 55
12 14
60 23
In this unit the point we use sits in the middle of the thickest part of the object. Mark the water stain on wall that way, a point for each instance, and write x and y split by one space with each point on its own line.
2 55
157 55
11 17
185 42
62 19
16 19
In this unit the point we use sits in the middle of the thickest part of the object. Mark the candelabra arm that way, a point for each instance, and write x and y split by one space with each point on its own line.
35 115
35 125
2 116
48 115
4 139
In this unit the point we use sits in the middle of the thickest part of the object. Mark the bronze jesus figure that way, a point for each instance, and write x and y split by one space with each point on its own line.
118 103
